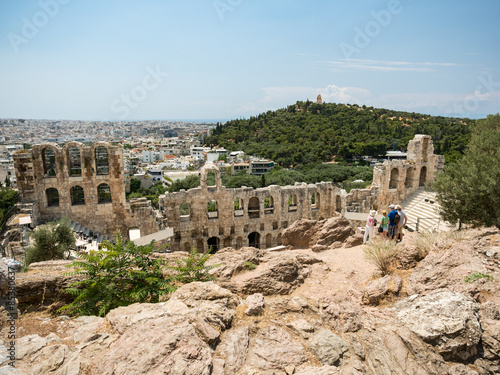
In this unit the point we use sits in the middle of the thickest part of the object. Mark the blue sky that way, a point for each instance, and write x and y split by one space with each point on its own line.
223 59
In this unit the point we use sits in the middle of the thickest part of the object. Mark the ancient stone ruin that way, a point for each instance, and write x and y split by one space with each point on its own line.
84 183
87 184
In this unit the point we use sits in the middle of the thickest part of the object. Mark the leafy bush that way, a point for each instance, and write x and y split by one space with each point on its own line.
119 275
381 253
193 268
54 240
475 276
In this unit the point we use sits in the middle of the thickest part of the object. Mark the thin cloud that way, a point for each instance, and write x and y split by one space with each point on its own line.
388 66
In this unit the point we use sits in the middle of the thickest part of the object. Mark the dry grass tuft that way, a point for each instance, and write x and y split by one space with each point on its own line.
382 254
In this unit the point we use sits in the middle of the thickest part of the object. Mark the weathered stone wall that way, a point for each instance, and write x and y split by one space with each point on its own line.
254 223
398 179
104 217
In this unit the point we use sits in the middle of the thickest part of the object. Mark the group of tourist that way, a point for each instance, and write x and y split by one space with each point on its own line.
391 225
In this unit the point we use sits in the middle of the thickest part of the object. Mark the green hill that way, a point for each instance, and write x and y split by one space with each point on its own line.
307 133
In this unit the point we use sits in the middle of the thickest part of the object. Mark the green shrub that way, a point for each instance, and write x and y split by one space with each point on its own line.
119 275
475 276
193 268
54 240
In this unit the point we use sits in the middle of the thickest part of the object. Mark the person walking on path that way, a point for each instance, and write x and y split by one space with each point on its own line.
370 223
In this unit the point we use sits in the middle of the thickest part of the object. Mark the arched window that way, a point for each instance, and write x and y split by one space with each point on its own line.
103 193
212 209
409 178
213 245
268 204
238 207
101 160
423 176
49 162
393 183
77 195
292 202
315 200
253 208
75 161
52 197
185 210
254 240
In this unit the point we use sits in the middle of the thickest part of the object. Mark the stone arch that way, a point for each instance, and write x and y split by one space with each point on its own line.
409 177
185 210
315 199
73 152
77 195
254 208
238 207
213 244
52 195
187 246
393 182
269 241
227 242
254 240
103 193
101 156
212 209
423 176
49 162
239 243
209 167
269 204
292 202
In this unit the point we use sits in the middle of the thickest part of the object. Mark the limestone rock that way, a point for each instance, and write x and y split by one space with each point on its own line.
279 275
396 350
462 370
232 262
491 339
324 370
354 240
301 326
343 315
255 304
233 349
380 288
446 320
29 345
274 350
327 347
49 359
310 233
157 346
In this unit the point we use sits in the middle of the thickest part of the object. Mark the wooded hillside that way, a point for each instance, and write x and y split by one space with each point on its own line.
307 132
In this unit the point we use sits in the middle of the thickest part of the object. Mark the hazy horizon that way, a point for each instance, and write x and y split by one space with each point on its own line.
227 59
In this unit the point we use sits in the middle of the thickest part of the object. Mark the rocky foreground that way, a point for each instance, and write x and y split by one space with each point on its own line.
315 309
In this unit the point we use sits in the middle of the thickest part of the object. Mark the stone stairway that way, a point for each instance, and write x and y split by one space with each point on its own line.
422 210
